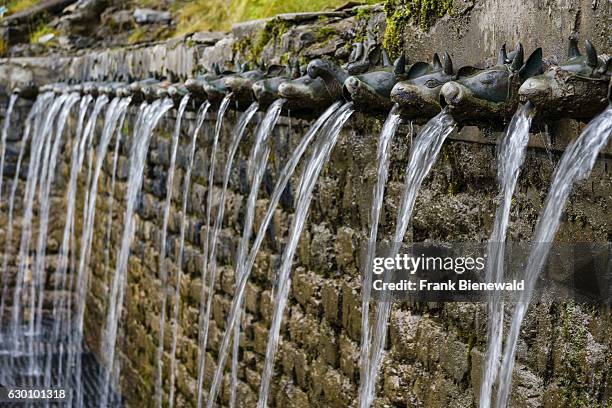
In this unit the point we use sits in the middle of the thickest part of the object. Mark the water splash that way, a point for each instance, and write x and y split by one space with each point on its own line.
149 117
366 386
162 251
177 285
575 165
258 158
320 156
510 157
244 275
203 333
423 155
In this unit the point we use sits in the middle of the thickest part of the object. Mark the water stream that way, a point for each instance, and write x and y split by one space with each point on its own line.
366 387
162 251
31 126
203 333
113 114
47 178
322 150
256 167
149 117
238 133
281 184
575 165
423 154
510 157
3 137
176 302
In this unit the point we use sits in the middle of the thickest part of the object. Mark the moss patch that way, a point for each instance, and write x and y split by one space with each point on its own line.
40 32
3 47
15 6
422 13
252 50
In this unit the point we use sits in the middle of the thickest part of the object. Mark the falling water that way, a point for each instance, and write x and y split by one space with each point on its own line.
47 177
383 157
575 165
320 156
280 186
510 156
149 117
76 163
61 321
36 151
88 137
31 126
5 129
38 158
203 333
177 285
258 158
162 251
423 154
111 194
239 130
115 111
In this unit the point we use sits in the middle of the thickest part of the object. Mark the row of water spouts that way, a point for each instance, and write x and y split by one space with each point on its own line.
43 135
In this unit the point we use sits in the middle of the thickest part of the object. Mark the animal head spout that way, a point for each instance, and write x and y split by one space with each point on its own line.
490 94
575 89
418 94
372 90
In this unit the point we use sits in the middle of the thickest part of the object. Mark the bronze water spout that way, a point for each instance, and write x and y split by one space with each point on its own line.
490 95
419 95
576 89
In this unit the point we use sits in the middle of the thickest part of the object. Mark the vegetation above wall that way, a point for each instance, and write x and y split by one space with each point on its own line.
422 13
113 22
15 6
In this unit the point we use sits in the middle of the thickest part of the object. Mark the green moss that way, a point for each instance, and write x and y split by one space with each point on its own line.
3 47
252 50
40 32
285 58
422 13
363 13
325 33
138 35
15 6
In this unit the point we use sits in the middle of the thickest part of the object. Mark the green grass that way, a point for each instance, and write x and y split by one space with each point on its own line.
15 6
41 31
219 15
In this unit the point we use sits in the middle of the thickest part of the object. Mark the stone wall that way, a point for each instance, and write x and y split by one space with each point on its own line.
434 350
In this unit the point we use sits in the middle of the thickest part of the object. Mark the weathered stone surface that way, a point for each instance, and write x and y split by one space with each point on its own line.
150 16
434 352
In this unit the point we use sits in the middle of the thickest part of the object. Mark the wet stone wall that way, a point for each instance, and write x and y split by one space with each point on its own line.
434 352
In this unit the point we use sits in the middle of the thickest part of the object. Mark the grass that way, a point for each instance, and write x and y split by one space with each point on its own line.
139 34
219 15
42 30
3 47
15 6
